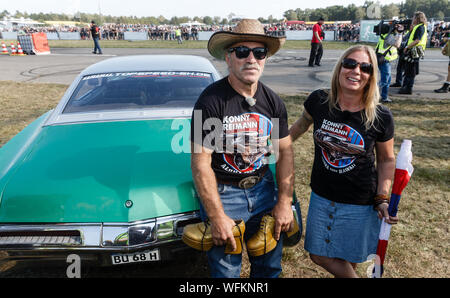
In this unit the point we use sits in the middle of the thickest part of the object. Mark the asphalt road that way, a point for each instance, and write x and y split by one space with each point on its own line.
286 72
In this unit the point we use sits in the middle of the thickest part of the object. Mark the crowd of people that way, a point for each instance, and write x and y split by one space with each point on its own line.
437 35
110 31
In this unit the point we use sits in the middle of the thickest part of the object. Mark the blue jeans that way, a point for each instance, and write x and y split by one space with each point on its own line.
385 79
97 46
250 205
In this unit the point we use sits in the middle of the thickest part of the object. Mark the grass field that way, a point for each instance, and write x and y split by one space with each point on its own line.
419 244
190 44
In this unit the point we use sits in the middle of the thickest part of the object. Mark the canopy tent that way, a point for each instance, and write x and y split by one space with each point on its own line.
8 22
289 23
65 23
190 24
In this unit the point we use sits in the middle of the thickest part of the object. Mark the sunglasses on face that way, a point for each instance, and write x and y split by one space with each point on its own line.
350 63
242 52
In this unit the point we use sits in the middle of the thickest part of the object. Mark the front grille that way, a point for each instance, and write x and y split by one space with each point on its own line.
40 238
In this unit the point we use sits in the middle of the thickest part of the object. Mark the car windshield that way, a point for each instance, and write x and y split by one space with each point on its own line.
137 90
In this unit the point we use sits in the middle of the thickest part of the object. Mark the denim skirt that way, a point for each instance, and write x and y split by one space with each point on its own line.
345 231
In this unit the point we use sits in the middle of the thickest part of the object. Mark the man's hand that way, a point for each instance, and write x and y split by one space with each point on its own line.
284 218
222 231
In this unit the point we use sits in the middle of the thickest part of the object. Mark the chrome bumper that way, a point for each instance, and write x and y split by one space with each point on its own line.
94 236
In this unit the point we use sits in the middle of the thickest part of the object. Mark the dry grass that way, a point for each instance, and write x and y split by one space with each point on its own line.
187 44
22 103
419 244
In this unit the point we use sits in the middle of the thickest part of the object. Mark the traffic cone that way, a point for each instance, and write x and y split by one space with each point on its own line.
13 50
4 49
19 50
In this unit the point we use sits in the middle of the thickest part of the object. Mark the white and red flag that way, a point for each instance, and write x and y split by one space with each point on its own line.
403 173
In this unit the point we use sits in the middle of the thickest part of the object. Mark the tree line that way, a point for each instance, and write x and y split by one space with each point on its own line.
437 9
370 10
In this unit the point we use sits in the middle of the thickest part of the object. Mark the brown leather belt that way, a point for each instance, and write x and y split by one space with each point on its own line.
247 182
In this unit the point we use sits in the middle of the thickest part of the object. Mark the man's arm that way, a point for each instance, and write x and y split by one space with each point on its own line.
316 33
206 186
282 212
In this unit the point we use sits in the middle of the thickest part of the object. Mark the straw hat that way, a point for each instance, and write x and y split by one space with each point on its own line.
245 30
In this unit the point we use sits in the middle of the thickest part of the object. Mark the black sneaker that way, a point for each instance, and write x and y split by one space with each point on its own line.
443 89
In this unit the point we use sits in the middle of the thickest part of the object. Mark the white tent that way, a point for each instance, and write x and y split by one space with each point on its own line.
190 24
9 22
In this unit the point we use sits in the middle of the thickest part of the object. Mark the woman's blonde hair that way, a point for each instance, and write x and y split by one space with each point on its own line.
371 95
420 16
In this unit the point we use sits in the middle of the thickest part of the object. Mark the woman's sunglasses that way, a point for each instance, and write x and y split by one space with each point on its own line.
350 63
243 52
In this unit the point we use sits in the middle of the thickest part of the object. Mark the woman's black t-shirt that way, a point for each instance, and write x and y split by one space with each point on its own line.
238 133
344 160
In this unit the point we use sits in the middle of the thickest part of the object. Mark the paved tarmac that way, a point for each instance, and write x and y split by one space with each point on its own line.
286 72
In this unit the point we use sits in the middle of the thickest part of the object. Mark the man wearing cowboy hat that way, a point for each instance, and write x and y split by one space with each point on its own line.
231 172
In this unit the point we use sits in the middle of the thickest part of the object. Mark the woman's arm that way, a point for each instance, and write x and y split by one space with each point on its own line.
300 126
385 169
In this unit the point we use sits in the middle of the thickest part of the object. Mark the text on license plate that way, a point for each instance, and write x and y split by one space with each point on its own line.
144 256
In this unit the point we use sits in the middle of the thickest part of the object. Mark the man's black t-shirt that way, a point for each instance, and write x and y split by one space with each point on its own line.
95 31
344 160
237 132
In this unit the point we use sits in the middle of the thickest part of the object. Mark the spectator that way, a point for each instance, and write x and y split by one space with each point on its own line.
316 44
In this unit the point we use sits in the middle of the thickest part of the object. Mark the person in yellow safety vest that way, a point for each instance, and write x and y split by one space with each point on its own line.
178 35
414 51
385 54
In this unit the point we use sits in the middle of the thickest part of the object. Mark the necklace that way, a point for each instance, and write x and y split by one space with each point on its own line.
350 107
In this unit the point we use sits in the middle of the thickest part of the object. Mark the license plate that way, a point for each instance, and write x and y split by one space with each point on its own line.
144 256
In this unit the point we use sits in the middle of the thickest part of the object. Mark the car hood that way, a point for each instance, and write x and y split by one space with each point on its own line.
102 172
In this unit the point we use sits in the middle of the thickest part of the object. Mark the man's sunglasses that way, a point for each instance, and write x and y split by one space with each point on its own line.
243 52
350 63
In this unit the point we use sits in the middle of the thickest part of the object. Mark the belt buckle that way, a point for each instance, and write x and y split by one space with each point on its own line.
248 182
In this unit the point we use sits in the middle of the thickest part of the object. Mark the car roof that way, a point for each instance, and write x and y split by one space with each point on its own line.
135 63
151 62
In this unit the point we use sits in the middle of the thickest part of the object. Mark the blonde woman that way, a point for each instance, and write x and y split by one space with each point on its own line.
349 193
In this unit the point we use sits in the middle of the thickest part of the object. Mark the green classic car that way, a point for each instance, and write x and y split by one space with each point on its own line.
106 174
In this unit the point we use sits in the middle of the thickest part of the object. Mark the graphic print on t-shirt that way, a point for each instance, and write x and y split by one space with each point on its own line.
340 144
246 142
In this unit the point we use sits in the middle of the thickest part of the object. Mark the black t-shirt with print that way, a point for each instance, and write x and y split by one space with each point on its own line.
238 133
344 160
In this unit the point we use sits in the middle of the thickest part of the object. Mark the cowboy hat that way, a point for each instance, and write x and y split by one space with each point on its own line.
245 30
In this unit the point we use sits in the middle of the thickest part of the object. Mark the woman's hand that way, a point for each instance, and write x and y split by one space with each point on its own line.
383 212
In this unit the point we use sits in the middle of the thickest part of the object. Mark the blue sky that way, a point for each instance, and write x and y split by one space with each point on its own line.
170 8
